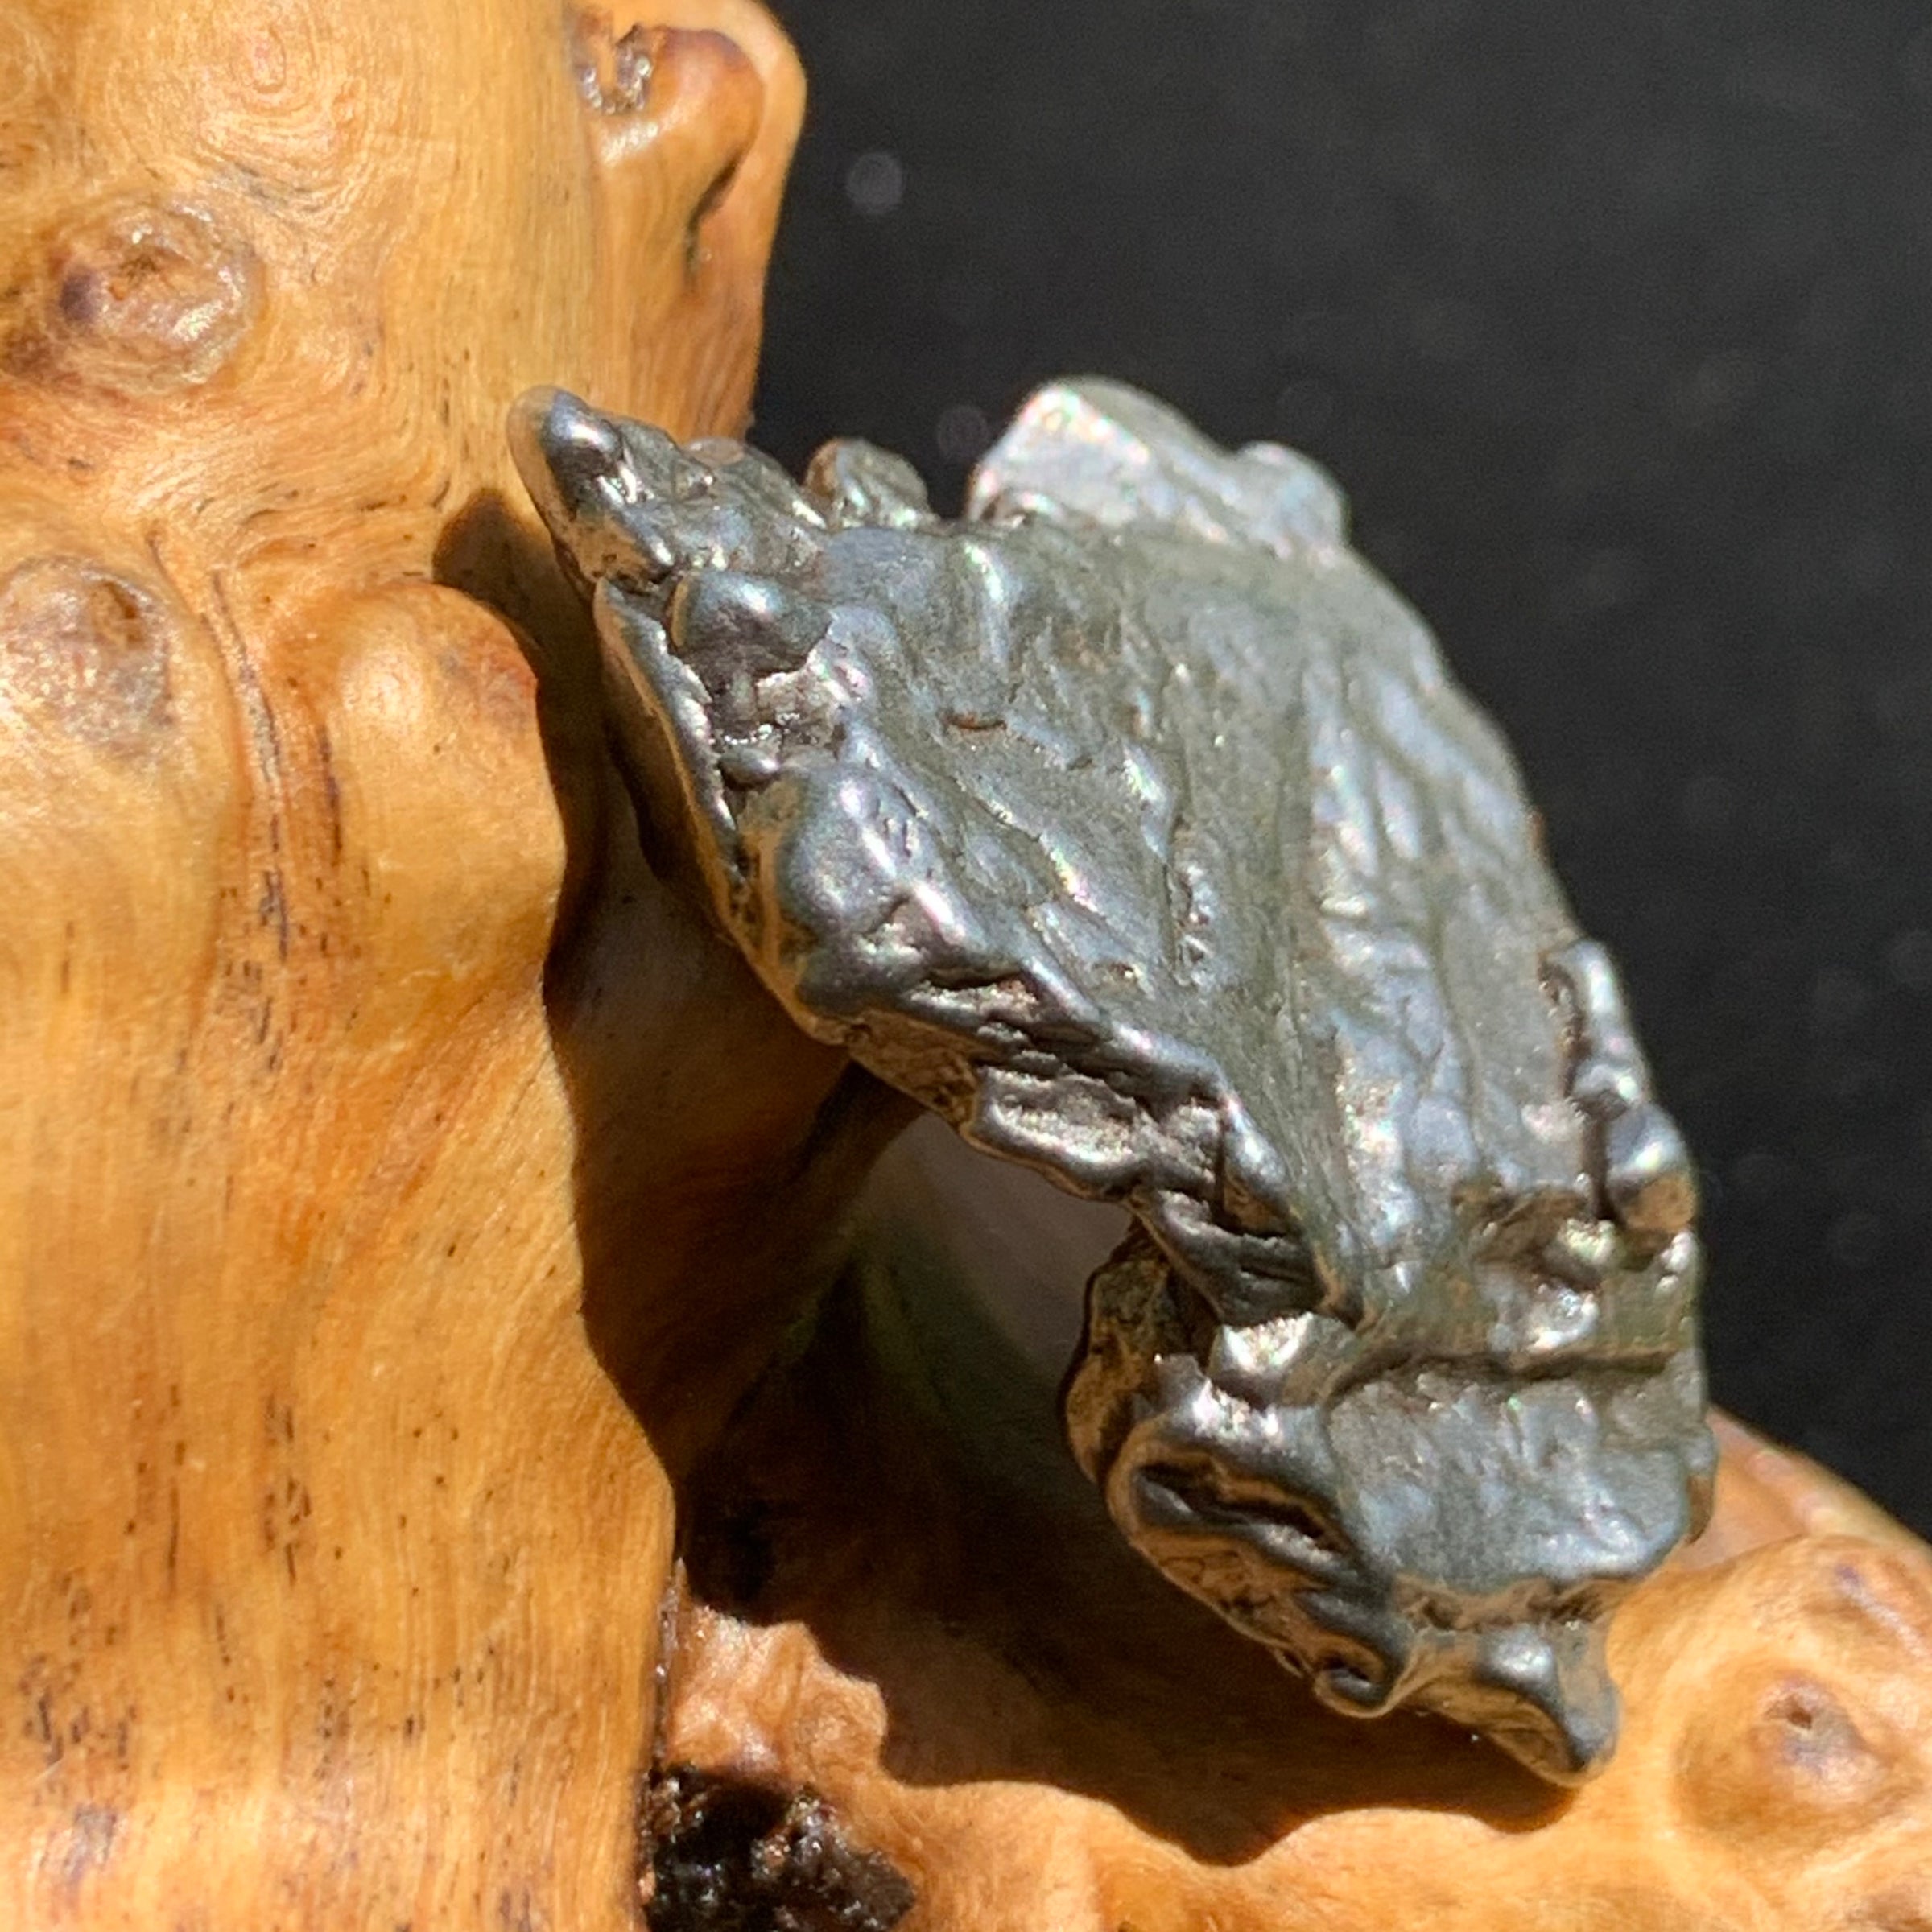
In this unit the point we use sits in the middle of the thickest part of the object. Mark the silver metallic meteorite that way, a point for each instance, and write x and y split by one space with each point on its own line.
1132 824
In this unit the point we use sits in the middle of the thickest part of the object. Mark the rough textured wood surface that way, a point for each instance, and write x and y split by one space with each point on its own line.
890 1602
1774 1772
330 1552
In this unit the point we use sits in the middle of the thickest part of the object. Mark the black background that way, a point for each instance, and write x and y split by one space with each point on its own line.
1614 323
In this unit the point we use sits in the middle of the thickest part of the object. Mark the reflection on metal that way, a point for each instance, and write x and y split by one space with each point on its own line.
1132 825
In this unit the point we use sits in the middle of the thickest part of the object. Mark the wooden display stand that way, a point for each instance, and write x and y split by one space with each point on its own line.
331 1555
400 1185
890 1600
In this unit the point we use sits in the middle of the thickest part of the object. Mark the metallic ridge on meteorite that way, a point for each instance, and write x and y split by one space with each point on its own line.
1132 823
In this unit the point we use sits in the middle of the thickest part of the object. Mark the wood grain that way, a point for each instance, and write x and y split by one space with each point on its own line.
892 1601
331 1554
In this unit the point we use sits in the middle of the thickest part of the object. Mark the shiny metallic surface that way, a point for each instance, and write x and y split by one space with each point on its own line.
1132 824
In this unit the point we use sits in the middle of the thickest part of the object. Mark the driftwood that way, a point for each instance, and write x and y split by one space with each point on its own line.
332 1555
401 1185
894 1599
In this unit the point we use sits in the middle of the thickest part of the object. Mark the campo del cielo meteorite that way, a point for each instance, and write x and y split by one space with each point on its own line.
1132 824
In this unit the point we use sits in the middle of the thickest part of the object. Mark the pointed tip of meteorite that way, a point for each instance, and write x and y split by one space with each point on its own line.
563 449
609 490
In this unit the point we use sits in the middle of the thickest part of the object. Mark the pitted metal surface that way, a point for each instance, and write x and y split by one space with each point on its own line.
1132 824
